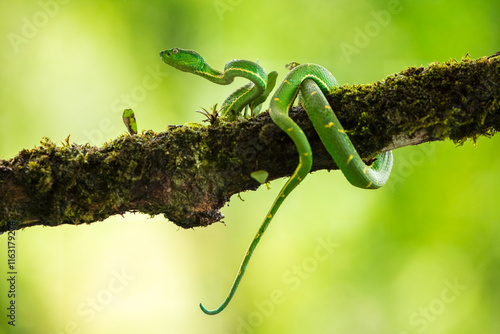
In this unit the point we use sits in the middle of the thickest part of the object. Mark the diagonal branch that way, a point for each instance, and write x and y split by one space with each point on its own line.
189 172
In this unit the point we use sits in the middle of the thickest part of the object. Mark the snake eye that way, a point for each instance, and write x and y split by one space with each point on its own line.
175 51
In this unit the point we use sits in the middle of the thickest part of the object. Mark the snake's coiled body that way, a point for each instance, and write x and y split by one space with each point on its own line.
313 82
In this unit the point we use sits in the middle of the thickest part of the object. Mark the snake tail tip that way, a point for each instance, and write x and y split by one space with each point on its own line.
210 312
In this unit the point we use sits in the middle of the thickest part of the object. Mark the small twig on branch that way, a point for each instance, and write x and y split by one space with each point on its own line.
189 172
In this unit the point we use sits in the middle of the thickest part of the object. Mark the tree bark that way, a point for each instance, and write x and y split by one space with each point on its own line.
189 172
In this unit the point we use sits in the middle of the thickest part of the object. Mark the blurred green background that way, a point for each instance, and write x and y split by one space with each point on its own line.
421 255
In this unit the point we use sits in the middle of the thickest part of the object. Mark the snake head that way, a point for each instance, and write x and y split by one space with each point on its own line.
184 60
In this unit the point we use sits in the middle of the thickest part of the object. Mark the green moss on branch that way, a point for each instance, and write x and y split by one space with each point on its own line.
189 172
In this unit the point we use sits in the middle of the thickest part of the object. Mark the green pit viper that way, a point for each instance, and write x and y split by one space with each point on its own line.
314 83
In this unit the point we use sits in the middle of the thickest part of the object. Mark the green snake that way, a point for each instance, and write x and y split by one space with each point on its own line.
252 94
314 83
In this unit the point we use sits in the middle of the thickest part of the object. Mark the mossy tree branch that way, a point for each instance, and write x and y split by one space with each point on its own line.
189 172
